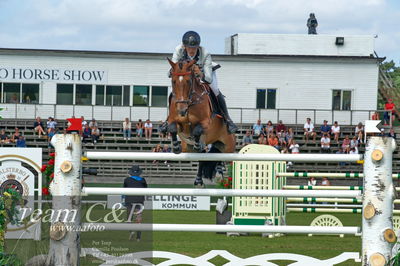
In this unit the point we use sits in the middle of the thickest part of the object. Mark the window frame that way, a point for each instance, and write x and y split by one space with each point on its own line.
266 98
341 99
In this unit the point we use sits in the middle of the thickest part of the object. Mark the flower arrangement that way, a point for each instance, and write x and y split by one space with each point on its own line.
48 174
9 200
226 181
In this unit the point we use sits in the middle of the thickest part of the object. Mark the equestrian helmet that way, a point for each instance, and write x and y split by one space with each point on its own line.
191 39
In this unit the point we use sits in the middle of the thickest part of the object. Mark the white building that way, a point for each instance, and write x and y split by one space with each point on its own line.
262 75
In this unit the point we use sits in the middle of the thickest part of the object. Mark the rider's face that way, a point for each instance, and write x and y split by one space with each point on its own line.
191 51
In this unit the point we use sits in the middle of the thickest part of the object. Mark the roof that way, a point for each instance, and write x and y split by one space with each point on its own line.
147 55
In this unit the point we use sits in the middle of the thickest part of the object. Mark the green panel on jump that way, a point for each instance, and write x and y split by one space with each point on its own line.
249 221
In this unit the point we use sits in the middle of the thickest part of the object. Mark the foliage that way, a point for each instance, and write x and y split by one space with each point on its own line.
48 174
393 71
226 181
395 261
9 201
1 109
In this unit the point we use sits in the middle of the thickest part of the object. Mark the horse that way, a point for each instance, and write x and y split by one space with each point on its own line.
191 115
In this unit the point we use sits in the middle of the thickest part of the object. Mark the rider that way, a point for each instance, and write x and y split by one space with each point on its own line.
190 49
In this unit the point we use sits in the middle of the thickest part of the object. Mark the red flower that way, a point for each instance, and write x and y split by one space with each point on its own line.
43 168
52 175
45 191
226 185
51 162
52 154
230 178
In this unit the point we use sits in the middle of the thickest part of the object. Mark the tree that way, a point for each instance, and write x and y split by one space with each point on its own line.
393 71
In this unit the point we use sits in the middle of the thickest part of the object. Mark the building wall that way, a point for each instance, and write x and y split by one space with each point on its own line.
301 82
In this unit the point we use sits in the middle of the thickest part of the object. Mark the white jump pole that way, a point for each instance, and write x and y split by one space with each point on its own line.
160 156
218 192
324 210
66 192
333 175
227 228
379 193
334 200
301 187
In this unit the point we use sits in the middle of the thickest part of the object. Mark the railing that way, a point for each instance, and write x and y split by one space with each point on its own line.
134 113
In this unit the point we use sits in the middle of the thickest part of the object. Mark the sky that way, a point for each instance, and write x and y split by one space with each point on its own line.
158 25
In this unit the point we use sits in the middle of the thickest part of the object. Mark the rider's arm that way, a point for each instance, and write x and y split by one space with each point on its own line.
178 54
207 67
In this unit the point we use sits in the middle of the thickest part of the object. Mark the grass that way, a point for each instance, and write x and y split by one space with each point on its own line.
196 244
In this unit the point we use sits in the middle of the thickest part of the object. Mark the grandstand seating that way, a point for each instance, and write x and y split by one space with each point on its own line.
169 172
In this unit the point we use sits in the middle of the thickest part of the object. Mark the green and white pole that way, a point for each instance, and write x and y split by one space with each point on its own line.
331 175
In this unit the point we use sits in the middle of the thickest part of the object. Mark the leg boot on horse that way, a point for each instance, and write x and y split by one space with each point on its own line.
176 146
232 128
197 132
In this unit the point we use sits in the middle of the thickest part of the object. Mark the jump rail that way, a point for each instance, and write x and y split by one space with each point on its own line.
218 192
333 175
228 228
150 156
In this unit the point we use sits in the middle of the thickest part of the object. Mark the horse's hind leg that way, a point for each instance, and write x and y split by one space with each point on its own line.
176 146
197 132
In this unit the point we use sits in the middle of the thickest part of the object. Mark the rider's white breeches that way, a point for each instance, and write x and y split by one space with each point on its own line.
214 84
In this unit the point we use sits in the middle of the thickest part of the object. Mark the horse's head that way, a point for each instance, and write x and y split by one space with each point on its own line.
182 84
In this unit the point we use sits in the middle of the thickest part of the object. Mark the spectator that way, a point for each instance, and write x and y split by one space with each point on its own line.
326 129
375 116
341 151
389 114
282 138
354 143
269 129
166 148
134 204
84 123
335 131
257 128
294 147
148 129
280 126
289 136
95 134
359 131
325 144
262 139
391 133
163 136
51 124
309 130
346 144
86 133
4 137
325 182
139 128
15 136
273 141
382 134
353 151
157 148
312 181
247 139
21 143
93 124
127 129
38 127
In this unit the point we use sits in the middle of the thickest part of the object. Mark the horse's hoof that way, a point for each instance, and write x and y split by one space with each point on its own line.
177 150
199 183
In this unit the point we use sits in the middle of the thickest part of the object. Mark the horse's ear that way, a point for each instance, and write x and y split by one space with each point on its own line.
171 63
191 63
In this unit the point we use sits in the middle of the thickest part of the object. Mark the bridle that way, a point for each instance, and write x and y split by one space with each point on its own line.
191 100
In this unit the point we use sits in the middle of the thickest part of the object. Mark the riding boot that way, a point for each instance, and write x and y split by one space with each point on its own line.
232 128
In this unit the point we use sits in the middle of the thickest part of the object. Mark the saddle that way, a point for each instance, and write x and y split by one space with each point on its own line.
215 109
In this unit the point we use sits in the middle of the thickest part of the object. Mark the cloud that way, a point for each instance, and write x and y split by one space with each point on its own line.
157 26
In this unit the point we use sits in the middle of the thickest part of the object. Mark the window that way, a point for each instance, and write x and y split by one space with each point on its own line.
100 95
114 95
159 96
12 92
127 91
140 95
341 100
30 93
83 94
65 94
266 99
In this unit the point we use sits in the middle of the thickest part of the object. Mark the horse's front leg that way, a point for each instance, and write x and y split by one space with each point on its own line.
197 132
176 146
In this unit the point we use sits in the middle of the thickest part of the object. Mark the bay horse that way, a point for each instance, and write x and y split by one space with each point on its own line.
191 115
